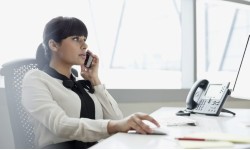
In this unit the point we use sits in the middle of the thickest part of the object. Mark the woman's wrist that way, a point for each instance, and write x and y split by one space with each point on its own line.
112 127
95 82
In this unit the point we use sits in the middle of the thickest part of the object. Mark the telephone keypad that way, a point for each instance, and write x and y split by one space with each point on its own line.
201 104
208 105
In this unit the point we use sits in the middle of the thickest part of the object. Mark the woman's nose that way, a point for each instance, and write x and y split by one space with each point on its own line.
84 45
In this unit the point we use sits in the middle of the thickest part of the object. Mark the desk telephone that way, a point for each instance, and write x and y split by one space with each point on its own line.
206 98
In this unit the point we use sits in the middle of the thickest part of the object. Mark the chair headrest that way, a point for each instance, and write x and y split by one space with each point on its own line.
40 56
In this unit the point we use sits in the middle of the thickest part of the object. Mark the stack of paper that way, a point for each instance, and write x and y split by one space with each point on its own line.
205 144
221 137
212 140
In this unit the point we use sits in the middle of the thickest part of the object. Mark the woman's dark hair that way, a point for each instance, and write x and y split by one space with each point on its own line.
58 29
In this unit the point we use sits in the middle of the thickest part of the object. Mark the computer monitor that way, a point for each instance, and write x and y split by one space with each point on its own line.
241 86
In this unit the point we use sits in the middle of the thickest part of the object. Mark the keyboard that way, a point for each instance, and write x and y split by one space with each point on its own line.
176 121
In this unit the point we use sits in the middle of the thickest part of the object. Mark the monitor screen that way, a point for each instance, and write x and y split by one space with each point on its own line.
241 86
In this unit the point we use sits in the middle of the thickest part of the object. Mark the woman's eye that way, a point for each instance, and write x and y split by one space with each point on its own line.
76 38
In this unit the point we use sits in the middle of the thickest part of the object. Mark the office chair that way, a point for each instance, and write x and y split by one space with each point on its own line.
20 120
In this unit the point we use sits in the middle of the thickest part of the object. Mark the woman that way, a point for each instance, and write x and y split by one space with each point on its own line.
68 112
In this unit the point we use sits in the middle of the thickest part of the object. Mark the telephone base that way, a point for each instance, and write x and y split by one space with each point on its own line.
188 112
228 111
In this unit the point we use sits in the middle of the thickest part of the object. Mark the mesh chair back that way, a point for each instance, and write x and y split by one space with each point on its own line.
21 124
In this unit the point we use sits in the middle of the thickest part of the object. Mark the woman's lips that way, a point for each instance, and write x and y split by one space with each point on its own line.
83 56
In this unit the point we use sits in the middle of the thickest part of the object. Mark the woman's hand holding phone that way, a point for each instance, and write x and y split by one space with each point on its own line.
89 59
89 70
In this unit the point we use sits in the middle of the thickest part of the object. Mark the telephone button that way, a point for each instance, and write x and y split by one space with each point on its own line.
217 102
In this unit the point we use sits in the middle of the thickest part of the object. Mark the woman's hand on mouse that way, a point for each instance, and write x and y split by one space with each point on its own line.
132 122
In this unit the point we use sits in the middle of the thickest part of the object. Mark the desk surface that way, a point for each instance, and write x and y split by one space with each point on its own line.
225 123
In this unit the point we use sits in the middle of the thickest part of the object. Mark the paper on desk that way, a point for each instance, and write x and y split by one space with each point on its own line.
205 144
221 137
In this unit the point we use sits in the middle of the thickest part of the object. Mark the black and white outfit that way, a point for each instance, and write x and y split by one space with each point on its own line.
68 113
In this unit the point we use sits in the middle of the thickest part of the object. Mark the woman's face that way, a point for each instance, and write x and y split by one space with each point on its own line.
72 50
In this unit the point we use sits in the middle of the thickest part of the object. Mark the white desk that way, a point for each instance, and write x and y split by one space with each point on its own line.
225 123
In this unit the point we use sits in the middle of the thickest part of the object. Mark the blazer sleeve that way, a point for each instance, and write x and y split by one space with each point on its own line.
109 105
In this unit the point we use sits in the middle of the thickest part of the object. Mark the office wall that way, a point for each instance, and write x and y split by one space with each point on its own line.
149 100
149 107
139 104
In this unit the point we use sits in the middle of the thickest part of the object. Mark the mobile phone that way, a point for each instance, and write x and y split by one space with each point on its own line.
88 60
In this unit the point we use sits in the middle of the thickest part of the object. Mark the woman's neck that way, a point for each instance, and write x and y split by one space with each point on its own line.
61 68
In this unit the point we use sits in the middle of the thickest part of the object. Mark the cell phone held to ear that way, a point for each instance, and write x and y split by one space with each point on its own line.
88 60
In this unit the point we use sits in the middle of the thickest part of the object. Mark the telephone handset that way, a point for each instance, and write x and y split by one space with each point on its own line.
195 93
206 98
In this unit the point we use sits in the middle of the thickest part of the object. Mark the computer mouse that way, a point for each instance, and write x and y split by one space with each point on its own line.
159 131
155 131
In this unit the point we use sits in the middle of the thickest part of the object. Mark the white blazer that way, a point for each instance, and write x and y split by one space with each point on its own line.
56 110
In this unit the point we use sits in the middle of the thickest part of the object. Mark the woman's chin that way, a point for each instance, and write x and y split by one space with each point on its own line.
81 62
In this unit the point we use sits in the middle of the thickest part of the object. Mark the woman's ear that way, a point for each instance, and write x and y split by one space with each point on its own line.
53 45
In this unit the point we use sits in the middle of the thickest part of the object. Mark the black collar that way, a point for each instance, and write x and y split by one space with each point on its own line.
68 83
